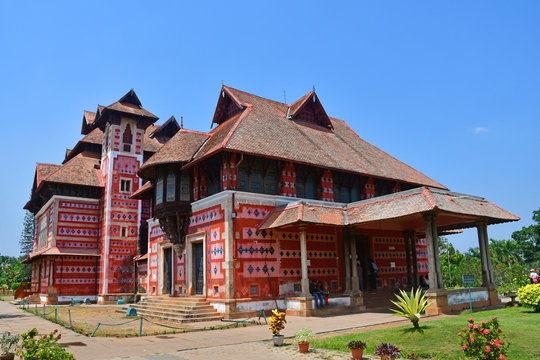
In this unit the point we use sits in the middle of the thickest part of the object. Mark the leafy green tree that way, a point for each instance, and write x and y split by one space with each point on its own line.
26 242
528 241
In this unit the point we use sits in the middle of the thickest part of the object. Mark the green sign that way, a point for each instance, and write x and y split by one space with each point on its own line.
467 279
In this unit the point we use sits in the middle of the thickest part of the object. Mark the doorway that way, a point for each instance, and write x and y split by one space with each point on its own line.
363 253
168 270
198 268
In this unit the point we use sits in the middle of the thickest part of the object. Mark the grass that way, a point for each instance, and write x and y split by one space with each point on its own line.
437 339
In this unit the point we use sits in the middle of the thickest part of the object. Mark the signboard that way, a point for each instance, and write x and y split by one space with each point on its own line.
468 279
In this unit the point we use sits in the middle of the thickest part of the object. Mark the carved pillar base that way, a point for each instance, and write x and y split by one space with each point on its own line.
357 302
439 298
493 296
230 309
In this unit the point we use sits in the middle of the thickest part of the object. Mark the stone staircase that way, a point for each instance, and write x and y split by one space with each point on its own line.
29 300
379 300
177 309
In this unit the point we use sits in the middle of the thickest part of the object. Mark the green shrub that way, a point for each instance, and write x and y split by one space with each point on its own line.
303 335
356 344
8 343
411 307
484 341
36 347
529 296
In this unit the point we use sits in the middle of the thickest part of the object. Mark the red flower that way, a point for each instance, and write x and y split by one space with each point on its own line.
470 326
488 349
464 347
459 333
470 319
486 331
55 330
482 322
500 330
502 357
475 327
495 317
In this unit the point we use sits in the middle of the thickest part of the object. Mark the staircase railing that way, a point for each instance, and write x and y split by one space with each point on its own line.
24 290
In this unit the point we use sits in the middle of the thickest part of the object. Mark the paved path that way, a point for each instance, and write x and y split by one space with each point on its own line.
232 343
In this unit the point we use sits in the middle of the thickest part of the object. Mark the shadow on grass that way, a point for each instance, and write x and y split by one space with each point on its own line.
421 330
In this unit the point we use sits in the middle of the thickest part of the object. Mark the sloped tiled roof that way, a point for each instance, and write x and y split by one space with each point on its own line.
44 170
263 129
94 137
398 205
80 170
180 148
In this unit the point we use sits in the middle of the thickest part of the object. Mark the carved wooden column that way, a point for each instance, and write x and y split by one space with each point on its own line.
484 253
303 259
354 258
416 281
407 239
347 259
433 252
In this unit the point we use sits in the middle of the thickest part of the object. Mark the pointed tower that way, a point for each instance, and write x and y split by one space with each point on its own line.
123 124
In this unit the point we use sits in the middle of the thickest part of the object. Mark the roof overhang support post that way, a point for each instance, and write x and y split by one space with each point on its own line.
407 237
416 281
303 259
347 260
354 259
435 280
487 274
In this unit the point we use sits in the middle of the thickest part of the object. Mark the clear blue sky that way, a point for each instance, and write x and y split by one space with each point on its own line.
450 87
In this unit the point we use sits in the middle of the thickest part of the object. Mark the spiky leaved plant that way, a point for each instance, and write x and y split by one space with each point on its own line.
411 307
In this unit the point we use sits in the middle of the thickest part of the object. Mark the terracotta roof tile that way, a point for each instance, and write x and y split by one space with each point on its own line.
180 148
44 170
79 170
263 129
398 205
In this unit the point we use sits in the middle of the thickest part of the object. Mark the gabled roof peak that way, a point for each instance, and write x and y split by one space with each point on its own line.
309 108
130 98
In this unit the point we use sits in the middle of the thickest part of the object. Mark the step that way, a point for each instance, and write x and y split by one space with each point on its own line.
171 312
204 309
214 317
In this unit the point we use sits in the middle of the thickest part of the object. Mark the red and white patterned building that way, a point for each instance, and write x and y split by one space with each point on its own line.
275 195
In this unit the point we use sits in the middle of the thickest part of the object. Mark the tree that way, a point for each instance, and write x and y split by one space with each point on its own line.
26 242
528 240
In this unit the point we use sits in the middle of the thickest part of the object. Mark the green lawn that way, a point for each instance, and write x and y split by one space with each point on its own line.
439 340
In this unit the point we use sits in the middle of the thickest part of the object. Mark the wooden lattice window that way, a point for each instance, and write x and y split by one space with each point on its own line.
127 138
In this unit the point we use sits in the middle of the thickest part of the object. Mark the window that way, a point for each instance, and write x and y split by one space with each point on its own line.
171 182
311 187
123 231
243 177
125 185
159 191
127 138
43 231
270 182
185 189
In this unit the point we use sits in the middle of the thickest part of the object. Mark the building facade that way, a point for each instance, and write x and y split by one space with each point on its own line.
274 196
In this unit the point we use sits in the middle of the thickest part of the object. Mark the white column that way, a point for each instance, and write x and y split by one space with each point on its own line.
303 258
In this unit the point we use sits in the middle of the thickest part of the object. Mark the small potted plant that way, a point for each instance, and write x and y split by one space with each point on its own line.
277 323
387 351
357 348
8 344
302 338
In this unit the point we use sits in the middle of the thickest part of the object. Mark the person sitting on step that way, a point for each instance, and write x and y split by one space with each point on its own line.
317 294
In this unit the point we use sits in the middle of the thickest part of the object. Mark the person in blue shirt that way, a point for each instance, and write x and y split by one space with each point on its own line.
317 294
